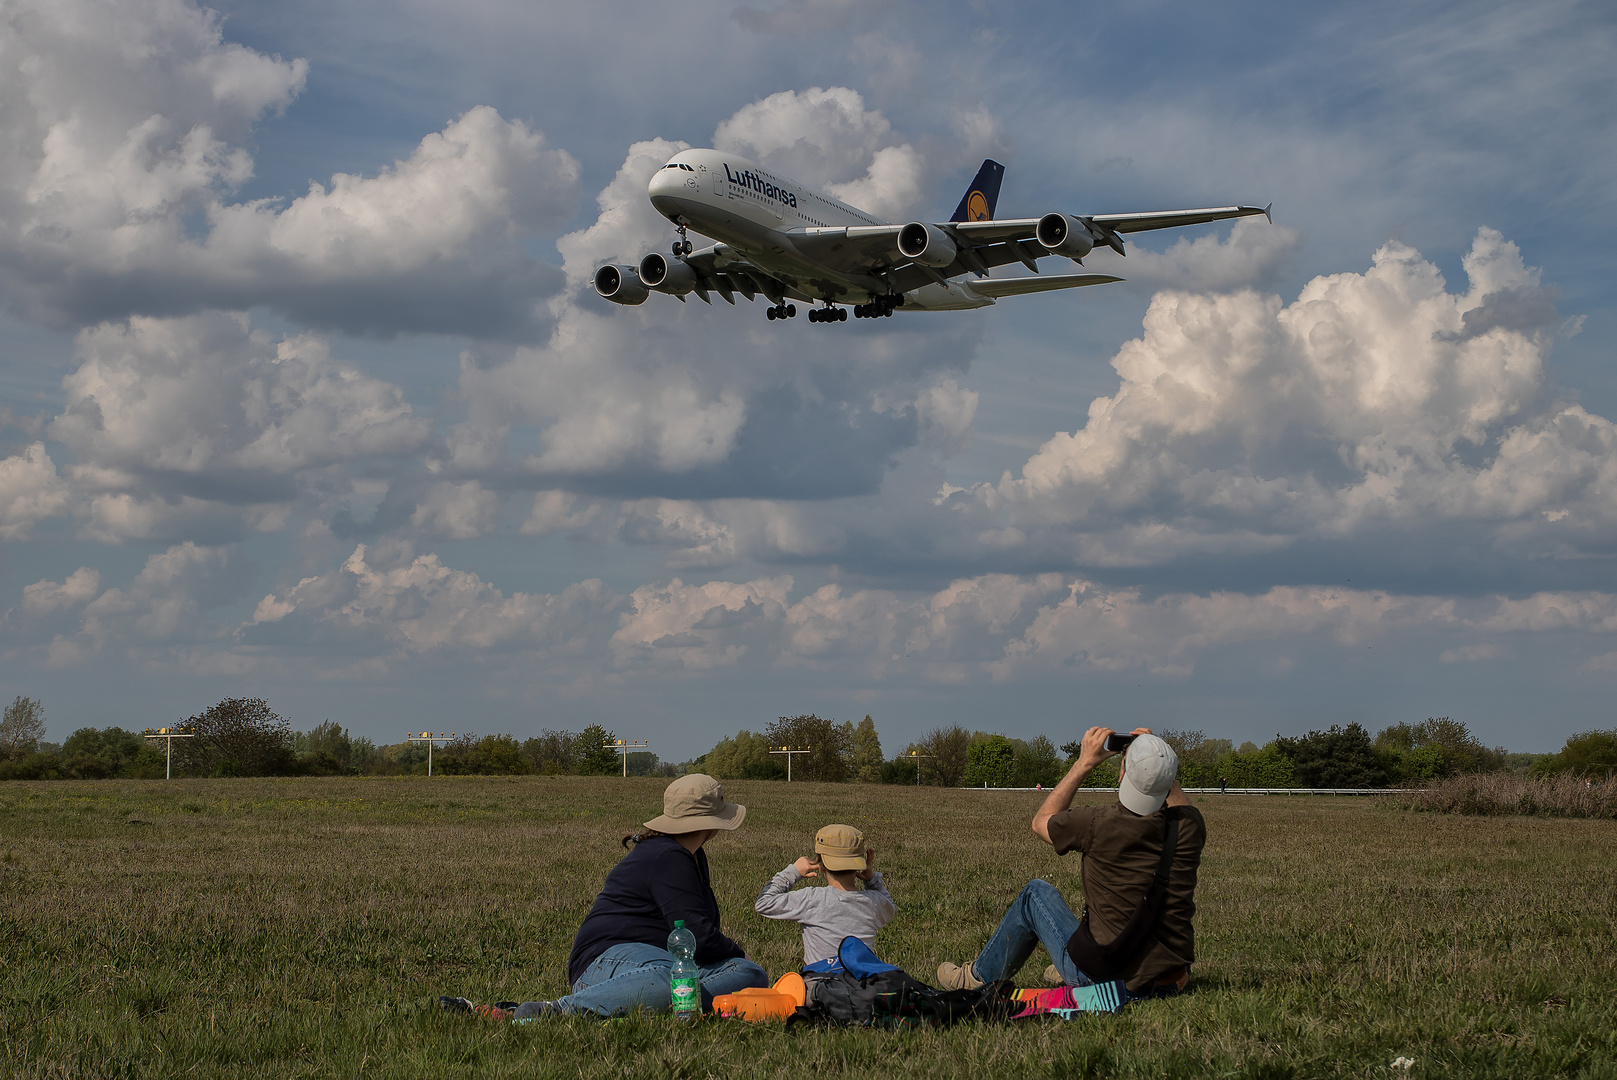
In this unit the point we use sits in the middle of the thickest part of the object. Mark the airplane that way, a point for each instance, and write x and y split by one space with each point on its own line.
785 241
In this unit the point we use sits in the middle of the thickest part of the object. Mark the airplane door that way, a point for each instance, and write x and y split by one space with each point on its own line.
718 184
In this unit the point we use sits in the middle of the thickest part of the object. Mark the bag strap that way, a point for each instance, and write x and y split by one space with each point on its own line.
1170 844
1106 961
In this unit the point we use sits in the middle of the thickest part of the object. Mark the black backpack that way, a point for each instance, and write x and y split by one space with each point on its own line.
865 992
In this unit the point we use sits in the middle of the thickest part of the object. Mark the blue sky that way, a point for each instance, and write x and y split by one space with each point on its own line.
370 449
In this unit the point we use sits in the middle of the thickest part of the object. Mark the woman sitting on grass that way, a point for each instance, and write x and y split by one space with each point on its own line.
620 961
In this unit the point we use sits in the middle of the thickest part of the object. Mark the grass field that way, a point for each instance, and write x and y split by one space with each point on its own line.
305 928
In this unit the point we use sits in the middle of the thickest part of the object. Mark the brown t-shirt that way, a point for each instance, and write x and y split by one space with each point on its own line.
1121 850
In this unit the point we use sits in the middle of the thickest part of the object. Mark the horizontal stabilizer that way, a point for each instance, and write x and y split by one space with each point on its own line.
1017 286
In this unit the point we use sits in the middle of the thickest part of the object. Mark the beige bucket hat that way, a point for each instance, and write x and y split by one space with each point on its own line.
694 802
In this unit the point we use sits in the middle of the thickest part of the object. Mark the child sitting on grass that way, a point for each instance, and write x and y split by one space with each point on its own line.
840 910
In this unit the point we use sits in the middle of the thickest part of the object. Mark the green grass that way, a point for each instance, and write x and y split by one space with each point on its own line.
305 928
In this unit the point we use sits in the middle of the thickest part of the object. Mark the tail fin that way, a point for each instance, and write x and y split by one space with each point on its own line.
978 203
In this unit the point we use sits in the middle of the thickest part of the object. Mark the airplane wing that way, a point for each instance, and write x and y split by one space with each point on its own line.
1168 219
1018 286
722 270
984 244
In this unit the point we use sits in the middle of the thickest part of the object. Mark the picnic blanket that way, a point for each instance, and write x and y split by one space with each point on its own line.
1066 1002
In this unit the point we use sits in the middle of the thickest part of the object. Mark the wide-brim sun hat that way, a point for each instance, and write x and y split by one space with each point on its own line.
1150 768
695 802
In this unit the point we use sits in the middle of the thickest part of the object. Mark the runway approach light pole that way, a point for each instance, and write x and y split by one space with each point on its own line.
624 749
789 751
917 755
168 735
430 739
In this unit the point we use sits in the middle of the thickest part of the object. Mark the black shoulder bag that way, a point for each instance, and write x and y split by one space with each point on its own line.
1107 961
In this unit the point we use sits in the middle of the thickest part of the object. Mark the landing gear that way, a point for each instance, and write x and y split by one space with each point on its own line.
828 314
783 311
879 308
682 246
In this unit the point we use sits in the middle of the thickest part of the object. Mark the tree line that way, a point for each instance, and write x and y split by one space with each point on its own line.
1401 755
245 737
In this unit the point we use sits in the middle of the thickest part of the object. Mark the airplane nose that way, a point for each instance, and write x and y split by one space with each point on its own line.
666 182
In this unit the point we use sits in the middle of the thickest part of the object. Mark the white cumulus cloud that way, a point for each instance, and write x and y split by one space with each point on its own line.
125 138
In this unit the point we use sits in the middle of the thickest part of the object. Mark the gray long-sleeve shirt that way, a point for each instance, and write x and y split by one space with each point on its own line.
827 914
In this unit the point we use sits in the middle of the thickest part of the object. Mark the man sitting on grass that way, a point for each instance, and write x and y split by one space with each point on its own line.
1133 928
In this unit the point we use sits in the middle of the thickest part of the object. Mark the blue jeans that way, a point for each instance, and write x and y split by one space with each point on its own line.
1037 915
635 975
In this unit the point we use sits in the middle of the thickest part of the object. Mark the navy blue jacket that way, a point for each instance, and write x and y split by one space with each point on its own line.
656 883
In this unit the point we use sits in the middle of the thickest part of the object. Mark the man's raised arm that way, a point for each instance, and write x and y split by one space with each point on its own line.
1091 753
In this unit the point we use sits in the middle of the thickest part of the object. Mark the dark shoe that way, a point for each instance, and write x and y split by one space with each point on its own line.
508 1006
455 1004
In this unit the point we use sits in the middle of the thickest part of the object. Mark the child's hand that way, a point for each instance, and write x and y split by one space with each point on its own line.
870 865
806 867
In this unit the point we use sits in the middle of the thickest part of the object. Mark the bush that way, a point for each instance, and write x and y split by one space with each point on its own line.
1589 754
829 746
1104 775
553 753
91 754
745 757
497 755
865 761
1339 757
949 749
1433 749
1037 763
990 762
1265 768
237 737
591 755
21 727
1565 795
35 766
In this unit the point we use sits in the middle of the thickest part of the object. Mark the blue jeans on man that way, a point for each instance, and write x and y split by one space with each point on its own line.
636 975
1038 916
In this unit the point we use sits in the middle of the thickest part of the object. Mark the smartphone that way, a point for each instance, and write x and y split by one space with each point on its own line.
1117 742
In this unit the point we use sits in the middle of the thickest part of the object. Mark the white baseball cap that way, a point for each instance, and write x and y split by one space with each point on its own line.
1149 769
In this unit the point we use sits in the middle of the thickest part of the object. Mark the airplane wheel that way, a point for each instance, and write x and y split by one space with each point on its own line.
678 247
842 314
687 246
770 314
791 311
814 315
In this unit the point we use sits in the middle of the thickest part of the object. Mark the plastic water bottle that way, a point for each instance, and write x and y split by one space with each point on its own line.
684 982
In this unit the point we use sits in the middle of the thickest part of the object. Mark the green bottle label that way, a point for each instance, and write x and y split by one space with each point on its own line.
687 995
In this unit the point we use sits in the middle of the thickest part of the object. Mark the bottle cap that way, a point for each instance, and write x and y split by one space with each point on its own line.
679 924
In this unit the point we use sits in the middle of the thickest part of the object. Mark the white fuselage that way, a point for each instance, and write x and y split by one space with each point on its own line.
752 210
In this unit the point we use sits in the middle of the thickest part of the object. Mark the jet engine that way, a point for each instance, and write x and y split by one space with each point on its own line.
672 276
1064 234
620 284
926 244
